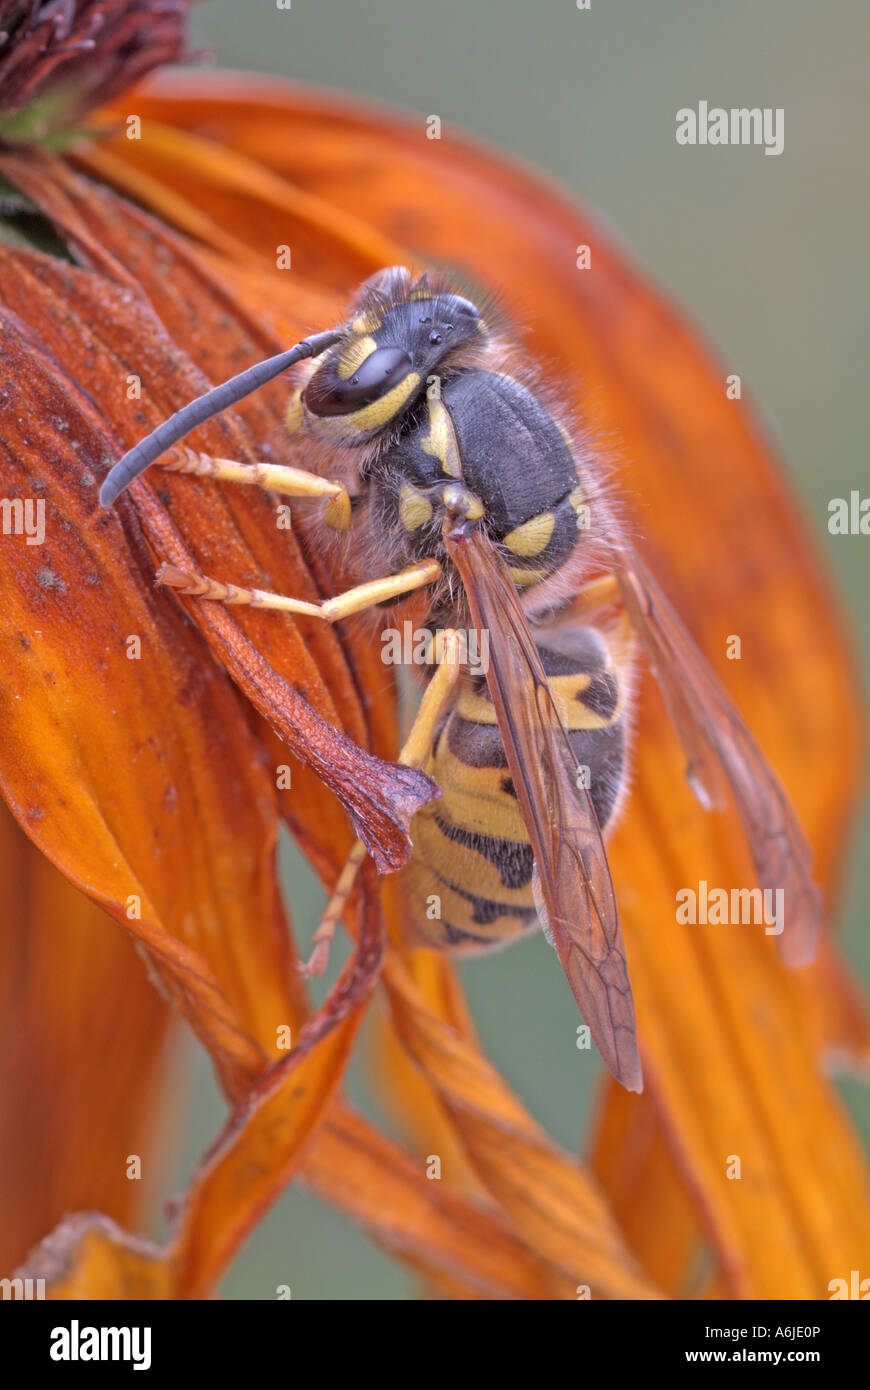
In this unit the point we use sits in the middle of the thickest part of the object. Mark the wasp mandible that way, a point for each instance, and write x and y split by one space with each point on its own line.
439 457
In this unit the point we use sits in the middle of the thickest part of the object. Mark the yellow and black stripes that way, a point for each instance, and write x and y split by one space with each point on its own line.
469 882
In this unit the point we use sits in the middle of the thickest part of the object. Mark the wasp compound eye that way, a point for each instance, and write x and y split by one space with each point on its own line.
327 394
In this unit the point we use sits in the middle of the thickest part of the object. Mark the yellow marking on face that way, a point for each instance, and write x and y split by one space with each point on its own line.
440 443
533 536
353 356
294 417
459 499
369 322
414 508
381 411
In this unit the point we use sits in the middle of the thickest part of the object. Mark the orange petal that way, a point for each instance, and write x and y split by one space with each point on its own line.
631 1160
75 1105
554 1204
90 1257
106 764
411 1102
234 195
255 1156
466 1247
733 1061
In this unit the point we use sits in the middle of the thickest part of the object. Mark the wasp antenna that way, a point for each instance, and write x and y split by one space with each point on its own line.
143 454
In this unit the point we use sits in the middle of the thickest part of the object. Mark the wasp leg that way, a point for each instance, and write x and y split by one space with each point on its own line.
322 939
271 477
331 610
599 593
602 603
414 754
415 749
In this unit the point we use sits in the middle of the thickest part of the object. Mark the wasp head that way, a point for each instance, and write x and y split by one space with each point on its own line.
400 334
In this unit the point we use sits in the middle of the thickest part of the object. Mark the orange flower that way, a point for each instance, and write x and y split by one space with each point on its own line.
149 782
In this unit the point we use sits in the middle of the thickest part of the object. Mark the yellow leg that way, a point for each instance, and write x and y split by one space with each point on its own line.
415 750
598 593
271 477
413 754
601 603
332 610
322 939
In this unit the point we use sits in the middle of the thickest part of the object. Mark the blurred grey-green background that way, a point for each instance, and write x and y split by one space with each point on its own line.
767 254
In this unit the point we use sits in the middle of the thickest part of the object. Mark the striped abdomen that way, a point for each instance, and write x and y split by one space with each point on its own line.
469 881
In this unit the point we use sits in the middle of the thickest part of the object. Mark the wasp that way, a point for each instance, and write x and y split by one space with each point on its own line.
442 462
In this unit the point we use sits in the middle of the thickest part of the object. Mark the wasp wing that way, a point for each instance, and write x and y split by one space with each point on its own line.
716 741
571 862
